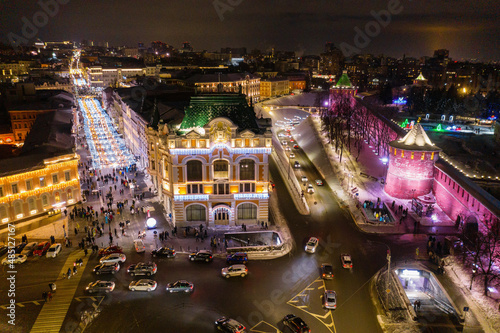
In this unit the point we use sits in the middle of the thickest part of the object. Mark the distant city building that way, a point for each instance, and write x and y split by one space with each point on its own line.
274 87
247 83
213 168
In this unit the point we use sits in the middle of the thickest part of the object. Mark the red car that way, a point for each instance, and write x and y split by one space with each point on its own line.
41 249
296 146
110 250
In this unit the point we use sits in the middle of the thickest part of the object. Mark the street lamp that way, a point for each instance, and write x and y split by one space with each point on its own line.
474 271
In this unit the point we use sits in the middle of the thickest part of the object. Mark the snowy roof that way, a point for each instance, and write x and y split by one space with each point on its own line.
415 139
421 78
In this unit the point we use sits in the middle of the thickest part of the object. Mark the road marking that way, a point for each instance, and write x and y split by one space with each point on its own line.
274 329
36 303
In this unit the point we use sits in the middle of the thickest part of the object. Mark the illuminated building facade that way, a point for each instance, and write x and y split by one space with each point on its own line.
411 165
213 168
274 87
43 178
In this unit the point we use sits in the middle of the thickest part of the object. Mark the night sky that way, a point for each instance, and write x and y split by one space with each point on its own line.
468 28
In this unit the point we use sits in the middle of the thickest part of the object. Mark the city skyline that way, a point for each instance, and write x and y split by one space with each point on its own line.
393 28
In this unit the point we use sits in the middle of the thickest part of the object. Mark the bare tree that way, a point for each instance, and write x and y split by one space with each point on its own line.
488 253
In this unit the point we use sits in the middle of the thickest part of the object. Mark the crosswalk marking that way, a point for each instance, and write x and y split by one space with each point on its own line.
51 317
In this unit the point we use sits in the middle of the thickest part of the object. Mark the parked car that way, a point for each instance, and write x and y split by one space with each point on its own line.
330 299
107 268
19 248
292 155
346 260
304 179
3 250
180 286
139 246
143 285
163 252
295 324
312 245
113 257
326 271
310 189
29 248
16 259
319 182
296 164
110 250
202 255
100 287
141 268
230 325
41 249
54 250
234 270
237 258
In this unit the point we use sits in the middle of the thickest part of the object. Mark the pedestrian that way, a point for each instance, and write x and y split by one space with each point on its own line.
85 251
266 226
206 233
69 272
262 224
44 296
116 234
166 235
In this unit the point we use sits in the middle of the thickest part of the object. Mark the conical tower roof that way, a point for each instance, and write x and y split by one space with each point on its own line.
344 81
421 77
415 139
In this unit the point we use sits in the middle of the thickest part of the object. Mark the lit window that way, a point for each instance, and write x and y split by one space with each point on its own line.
15 189
28 185
247 211
67 176
31 204
45 200
55 179
1 191
18 208
42 181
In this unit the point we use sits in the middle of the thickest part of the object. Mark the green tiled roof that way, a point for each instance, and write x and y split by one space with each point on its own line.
344 81
203 108
421 78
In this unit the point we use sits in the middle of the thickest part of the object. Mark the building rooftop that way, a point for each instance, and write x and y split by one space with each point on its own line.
415 139
344 81
226 77
203 108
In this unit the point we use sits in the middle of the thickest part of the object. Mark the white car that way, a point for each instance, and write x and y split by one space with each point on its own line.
53 250
292 155
287 148
346 260
16 259
143 285
304 179
310 188
139 246
312 245
319 182
330 299
234 270
113 257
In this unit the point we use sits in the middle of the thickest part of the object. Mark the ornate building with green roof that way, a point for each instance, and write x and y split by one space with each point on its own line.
213 168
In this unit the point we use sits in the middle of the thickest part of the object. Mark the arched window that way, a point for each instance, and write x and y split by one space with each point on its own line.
69 194
221 169
31 204
194 171
196 213
247 211
57 196
18 208
247 169
3 212
45 200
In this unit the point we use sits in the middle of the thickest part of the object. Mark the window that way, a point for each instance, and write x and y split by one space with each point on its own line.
194 171
29 186
247 187
45 200
196 213
42 181
69 194
221 169
18 208
3 212
247 169
67 176
54 179
195 188
15 189
221 189
1 191
247 211
31 204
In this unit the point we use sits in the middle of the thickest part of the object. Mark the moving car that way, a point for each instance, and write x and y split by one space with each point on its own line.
16 259
230 325
295 324
163 252
326 271
319 182
310 188
237 258
100 287
113 257
296 146
202 255
292 155
41 249
141 268
287 148
234 270
54 250
346 260
29 248
304 179
180 286
312 245
110 250
296 164
143 285
107 268
139 246
330 299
